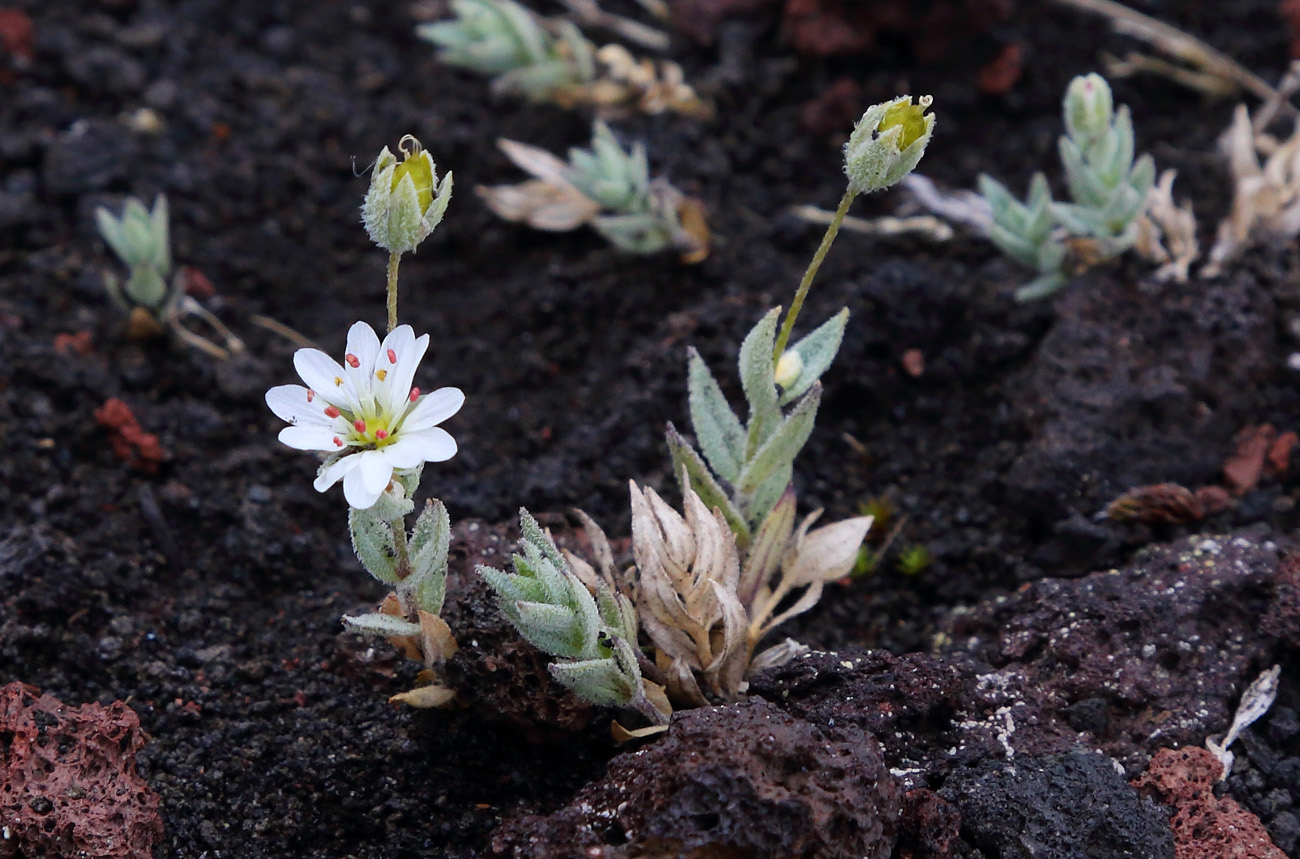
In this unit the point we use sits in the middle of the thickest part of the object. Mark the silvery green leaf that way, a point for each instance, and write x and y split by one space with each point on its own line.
372 540
580 51
1086 187
816 351
596 681
1079 220
429 543
534 535
146 288
391 507
705 485
783 446
1124 146
719 431
758 381
639 234
1040 193
759 504
380 624
161 230
1017 247
1041 287
1143 176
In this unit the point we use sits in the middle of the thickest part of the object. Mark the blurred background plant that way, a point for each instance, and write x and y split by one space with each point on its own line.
607 188
1108 189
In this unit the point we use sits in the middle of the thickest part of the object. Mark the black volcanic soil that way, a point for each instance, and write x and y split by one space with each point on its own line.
206 594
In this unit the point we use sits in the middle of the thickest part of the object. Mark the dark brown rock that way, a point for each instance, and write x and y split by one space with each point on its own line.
1167 643
68 783
746 780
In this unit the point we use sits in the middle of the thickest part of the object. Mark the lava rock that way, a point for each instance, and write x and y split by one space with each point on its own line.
1204 826
1166 643
741 780
1058 807
68 783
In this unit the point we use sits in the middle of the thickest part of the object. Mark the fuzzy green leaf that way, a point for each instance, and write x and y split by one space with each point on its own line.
372 540
784 445
719 431
816 351
430 541
758 381
704 484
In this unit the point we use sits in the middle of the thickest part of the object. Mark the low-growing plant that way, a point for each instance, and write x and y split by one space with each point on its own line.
376 430
1108 191
550 60
709 584
152 294
605 187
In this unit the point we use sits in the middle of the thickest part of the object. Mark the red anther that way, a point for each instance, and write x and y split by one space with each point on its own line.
415 393
338 442
311 395
353 360
359 425
381 434
392 357
331 412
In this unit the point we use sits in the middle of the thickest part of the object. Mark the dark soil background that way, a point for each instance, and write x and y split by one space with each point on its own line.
207 594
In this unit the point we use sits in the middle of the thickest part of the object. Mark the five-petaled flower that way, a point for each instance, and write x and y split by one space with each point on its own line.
367 411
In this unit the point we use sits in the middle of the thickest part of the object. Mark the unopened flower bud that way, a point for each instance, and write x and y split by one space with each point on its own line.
788 369
406 200
1089 106
887 143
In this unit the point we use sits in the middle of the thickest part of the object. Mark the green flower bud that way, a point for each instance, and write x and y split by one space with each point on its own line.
887 143
406 200
1089 107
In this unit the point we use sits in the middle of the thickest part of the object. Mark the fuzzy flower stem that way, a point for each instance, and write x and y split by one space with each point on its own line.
394 259
795 306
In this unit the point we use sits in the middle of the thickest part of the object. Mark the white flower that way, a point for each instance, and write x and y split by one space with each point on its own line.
367 411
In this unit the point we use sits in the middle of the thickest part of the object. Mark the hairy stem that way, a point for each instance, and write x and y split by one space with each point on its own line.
394 259
795 306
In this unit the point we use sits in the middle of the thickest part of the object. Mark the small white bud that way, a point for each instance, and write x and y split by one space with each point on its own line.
788 369
406 200
887 143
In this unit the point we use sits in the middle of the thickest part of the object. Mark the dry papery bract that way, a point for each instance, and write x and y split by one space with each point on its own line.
606 188
548 59
1266 197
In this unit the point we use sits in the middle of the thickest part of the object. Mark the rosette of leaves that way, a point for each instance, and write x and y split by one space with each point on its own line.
706 604
1108 192
414 565
605 187
589 627
548 59
504 40
745 467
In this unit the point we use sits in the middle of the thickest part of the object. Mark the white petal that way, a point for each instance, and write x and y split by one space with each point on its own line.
375 471
355 490
433 409
324 376
309 438
291 403
413 448
363 345
332 475
410 352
